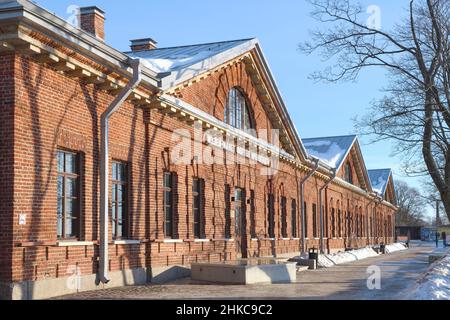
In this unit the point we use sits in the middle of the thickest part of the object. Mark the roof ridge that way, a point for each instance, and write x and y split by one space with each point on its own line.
343 136
193 45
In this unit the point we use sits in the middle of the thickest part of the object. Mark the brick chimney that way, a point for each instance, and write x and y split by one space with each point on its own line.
143 44
92 20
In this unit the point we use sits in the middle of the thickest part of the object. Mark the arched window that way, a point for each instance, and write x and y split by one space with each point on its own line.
348 173
237 113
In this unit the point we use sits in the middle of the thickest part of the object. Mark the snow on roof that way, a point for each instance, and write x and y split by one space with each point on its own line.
166 60
331 150
379 180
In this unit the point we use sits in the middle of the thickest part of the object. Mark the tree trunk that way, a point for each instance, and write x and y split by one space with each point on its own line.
430 162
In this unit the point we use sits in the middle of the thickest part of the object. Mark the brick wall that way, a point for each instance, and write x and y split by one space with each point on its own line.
6 163
52 111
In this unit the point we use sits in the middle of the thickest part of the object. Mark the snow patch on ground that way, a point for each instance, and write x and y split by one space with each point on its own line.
330 260
390 248
434 284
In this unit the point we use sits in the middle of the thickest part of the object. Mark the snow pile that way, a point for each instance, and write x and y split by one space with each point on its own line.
327 261
331 156
435 284
175 62
390 248
379 179
330 150
378 185
364 253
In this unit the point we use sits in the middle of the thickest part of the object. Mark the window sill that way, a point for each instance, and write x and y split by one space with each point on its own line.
31 244
74 243
202 240
127 242
172 241
285 239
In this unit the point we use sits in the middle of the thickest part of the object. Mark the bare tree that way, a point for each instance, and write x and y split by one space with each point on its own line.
432 198
415 111
412 206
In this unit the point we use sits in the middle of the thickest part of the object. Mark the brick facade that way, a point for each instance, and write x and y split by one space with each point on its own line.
42 110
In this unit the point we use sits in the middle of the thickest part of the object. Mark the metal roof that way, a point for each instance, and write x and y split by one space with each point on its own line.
379 179
166 60
174 65
330 150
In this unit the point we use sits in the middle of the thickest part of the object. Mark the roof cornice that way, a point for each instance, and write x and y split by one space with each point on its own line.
26 13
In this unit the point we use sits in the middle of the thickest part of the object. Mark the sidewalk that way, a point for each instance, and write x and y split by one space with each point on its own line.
399 271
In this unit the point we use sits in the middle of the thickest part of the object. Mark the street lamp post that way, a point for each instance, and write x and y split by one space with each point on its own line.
437 223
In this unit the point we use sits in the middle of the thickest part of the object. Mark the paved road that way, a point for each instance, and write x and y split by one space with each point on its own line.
399 271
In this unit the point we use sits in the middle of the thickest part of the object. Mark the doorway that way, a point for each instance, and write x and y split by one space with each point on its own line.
240 206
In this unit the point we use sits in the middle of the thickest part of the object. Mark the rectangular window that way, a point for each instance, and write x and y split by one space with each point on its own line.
68 190
315 227
119 203
333 223
239 211
363 226
357 225
227 211
349 224
340 223
284 232
168 198
294 218
360 227
252 215
271 215
197 207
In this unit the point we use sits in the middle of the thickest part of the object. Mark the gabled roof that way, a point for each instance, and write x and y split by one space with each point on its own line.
380 180
176 65
330 150
167 60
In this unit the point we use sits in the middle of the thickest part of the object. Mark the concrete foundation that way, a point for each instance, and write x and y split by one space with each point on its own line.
161 275
245 272
50 288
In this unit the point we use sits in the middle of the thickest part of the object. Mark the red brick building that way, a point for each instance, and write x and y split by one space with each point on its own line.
202 159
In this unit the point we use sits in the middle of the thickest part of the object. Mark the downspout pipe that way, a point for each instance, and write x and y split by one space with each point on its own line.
103 276
321 208
302 204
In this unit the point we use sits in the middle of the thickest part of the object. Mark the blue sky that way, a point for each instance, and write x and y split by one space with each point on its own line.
318 109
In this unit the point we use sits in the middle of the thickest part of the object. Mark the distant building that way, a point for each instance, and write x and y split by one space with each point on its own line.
414 233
